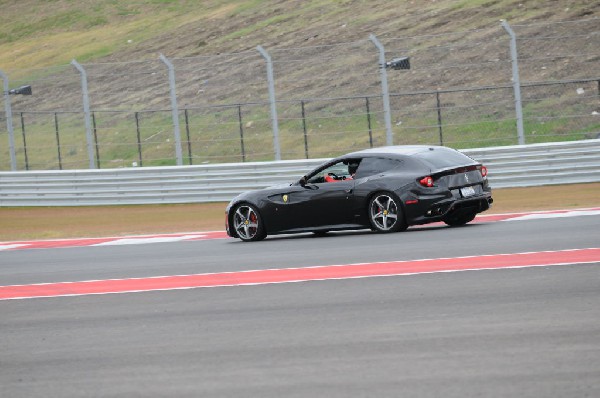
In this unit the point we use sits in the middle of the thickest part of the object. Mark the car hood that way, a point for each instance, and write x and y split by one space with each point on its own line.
258 193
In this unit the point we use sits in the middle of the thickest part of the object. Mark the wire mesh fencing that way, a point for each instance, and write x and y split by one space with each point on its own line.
331 99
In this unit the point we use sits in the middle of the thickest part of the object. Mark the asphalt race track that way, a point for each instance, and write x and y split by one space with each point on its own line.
526 332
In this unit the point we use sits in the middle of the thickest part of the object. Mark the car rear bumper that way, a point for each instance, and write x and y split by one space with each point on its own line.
450 207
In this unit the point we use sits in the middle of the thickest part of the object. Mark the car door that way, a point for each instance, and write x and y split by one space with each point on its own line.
321 203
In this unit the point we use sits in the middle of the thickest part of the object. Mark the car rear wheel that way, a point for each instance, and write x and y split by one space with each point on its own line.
385 213
248 224
460 219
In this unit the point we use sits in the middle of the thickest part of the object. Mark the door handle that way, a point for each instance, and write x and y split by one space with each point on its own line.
349 190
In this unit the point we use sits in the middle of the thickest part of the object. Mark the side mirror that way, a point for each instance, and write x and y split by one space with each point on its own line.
302 181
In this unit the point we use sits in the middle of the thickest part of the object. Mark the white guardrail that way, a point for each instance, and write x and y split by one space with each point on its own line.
511 166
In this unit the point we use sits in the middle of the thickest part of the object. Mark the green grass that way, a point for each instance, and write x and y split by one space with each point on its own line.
40 32
215 136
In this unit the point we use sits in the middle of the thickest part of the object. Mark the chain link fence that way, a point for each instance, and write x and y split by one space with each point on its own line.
328 100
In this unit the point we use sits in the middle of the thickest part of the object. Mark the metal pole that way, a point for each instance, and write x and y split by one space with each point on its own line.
96 140
274 120
174 110
139 138
516 81
57 140
304 128
86 113
24 142
439 116
9 125
241 133
187 132
384 90
369 122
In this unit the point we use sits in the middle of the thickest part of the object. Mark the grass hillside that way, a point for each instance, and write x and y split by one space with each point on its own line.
48 33
320 50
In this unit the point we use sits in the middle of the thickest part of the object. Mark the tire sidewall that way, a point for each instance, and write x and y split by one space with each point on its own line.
400 224
260 231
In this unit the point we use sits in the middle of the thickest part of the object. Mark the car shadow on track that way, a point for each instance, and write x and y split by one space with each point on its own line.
364 232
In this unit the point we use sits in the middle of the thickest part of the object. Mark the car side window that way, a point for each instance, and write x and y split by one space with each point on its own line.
339 171
372 166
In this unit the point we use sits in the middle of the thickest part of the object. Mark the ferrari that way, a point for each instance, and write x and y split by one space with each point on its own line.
386 189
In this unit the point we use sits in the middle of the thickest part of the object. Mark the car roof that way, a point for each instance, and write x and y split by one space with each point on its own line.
402 150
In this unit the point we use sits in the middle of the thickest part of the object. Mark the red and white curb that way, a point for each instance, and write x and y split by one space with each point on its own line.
112 241
194 236
289 275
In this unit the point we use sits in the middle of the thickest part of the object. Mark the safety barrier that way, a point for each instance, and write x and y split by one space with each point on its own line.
512 166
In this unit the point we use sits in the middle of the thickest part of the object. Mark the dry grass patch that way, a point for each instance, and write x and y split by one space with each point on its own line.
67 222
546 198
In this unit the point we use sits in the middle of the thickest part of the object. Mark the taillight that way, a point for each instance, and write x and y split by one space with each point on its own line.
483 171
426 181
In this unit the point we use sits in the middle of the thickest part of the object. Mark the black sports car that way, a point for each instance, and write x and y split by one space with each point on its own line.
386 189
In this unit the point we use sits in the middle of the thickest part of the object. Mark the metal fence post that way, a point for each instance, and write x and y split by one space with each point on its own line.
369 121
174 109
9 125
187 134
439 115
96 140
516 81
86 113
57 140
304 129
139 137
274 120
24 142
384 90
241 133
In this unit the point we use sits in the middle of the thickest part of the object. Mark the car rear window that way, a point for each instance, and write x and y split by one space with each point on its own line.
443 158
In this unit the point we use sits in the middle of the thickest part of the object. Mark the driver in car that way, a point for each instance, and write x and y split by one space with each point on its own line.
352 167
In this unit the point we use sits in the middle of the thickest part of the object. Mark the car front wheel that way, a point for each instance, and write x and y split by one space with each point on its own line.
385 213
248 224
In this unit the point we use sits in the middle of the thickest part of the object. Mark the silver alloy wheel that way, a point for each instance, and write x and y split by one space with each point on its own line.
245 222
383 212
